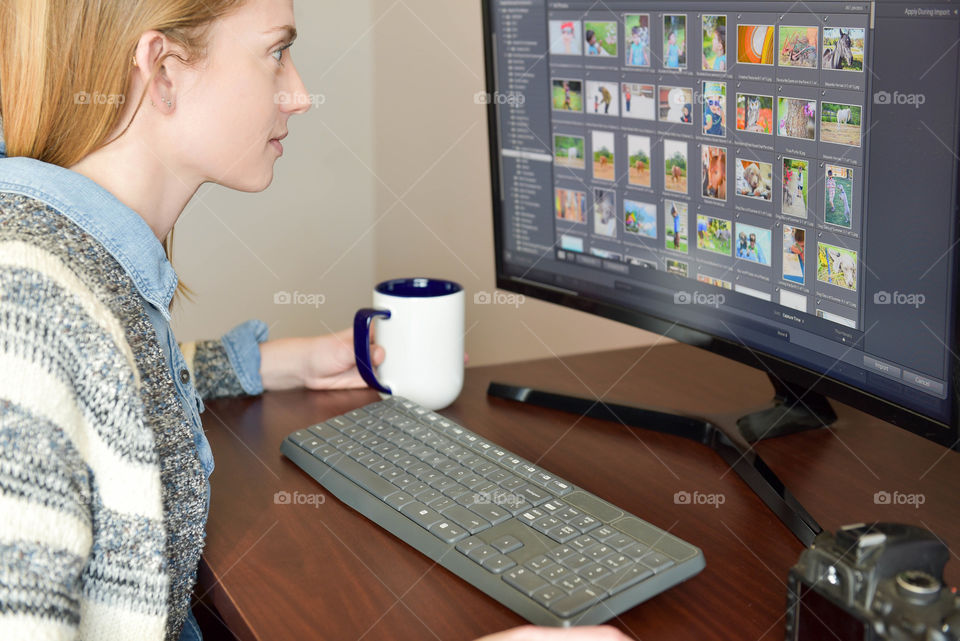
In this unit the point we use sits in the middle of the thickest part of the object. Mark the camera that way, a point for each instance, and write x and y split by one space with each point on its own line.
872 582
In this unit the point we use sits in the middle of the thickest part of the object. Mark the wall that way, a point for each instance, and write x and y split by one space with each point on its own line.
388 177
432 200
309 232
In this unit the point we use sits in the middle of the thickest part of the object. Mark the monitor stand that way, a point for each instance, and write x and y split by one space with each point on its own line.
741 457
793 411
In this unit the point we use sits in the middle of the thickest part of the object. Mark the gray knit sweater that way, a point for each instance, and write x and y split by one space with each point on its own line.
101 489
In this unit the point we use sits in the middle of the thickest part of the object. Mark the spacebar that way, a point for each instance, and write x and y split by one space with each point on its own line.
371 482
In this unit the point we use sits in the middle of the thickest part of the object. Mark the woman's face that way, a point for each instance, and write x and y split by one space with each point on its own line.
238 101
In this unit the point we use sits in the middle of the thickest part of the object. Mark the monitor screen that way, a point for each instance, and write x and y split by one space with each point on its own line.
776 181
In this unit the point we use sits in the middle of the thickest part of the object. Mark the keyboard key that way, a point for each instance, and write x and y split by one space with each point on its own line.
621 580
553 507
441 503
617 561
540 562
323 431
585 523
594 572
619 541
559 487
506 543
512 482
573 603
578 561
656 562
532 515
562 533
463 517
555 572
428 495
583 542
479 554
524 580
447 531
381 488
490 512
604 533
572 583
467 545
398 499
421 514
546 596
545 524
300 436
598 552
533 494
417 487
561 552
498 563
636 551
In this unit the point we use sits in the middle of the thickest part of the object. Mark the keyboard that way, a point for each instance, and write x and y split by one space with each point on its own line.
550 551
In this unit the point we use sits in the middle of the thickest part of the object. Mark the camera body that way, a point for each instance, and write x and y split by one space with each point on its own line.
872 582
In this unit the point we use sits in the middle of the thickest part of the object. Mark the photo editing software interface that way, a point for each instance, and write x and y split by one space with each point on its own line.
782 175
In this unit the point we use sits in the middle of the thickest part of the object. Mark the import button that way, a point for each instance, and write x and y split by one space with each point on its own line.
874 365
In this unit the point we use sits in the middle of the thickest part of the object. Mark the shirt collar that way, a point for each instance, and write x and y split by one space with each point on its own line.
122 231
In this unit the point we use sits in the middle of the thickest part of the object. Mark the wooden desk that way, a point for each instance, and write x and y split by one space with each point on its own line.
322 571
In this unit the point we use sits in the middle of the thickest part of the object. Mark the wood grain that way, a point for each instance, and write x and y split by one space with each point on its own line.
322 571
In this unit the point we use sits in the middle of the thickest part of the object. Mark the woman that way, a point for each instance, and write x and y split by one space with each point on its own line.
104 467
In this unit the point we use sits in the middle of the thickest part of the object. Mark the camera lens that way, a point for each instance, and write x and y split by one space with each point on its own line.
917 586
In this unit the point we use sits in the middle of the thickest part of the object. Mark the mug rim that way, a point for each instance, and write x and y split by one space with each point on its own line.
422 287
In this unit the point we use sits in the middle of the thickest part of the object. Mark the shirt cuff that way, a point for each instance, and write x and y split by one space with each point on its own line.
242 344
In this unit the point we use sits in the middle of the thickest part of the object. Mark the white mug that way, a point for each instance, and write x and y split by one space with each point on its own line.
419 324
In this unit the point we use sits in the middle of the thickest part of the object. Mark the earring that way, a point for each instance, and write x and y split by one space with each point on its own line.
169 103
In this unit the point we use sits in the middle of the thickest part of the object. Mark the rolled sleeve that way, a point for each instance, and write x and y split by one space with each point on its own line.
243 349
229 366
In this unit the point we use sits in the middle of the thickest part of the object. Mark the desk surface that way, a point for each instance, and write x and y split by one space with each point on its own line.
322 571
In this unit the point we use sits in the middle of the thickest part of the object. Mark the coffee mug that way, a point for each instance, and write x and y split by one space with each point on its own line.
419 324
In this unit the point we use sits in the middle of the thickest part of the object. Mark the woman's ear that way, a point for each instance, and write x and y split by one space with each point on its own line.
153 49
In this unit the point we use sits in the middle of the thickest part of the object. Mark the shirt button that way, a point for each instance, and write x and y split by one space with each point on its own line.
184 376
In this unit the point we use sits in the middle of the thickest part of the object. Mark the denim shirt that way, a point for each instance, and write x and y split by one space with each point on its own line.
133 244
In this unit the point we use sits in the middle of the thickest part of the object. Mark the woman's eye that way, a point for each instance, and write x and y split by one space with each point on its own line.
278 54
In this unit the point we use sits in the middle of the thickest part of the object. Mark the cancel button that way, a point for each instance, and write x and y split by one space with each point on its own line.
916 380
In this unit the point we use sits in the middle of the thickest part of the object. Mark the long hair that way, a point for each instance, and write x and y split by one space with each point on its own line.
58 56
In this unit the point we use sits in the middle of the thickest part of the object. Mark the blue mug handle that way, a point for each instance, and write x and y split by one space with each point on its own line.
361 346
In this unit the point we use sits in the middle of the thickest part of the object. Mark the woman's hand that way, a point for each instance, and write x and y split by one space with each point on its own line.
534 633
316 362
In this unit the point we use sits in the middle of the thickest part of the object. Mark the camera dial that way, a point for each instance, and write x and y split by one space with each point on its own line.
918 587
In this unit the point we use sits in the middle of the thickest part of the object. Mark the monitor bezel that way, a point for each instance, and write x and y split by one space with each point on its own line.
946 434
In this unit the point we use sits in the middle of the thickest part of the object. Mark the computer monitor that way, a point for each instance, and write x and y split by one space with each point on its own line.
776 182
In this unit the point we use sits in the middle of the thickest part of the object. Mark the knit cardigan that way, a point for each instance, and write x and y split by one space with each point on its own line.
102 494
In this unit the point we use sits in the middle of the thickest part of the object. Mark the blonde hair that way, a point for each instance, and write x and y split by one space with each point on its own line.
54 51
